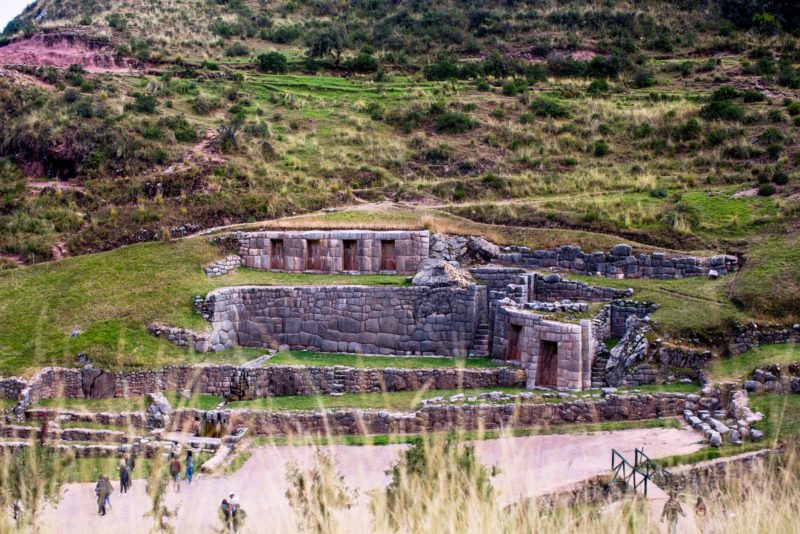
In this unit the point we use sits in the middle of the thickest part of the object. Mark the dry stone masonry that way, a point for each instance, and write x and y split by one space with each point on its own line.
338 251
356 319
620 262
223 266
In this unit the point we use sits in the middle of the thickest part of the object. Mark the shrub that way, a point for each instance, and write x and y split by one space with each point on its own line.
117 21
752 95
237 49
766 190
722 110
774 150
688 131
780 178
274 62
598 87
772 135
282 34
454 122
144 104
643 78
549 107
601 148
443 69
793 108
203 105
363 63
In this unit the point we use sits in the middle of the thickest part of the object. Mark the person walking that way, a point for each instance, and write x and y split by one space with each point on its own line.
175 473
130 463
103 491
124 477
700 512
225 514
189 466
671 510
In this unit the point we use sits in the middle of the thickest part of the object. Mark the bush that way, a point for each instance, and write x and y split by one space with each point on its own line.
282 34
752 95
598 87
203 105
443 69
722 110
601 148
144 104
237 49
793 108
688 131
363 63
117 21
454 122
274 62
549 107
766 190
643 78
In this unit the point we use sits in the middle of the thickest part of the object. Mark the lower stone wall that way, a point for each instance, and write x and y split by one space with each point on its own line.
746 337
440 418
551 287
620 262
10 388
235 382
223 266
355 319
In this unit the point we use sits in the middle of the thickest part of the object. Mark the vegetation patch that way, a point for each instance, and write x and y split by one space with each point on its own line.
325 359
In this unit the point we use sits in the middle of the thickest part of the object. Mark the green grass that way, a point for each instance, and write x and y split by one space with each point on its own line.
686 305
101 426
740 367
399 439
237 462
769 282
112 297
130 404
7 404
398 400
322 359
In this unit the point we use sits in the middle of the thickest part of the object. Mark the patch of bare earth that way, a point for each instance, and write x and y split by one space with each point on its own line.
62 50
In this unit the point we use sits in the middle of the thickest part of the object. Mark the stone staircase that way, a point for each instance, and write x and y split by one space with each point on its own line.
480 343
599 369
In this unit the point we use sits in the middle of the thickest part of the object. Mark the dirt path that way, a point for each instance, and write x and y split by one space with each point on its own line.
528 466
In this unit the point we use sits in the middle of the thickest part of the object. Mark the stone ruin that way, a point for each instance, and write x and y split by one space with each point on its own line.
468 297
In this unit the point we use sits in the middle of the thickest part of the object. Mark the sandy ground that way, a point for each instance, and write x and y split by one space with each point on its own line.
528 466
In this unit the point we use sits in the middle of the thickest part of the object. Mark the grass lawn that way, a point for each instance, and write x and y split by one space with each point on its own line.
112 297
130 404
392 439
689 304
322 359
741 367
7 404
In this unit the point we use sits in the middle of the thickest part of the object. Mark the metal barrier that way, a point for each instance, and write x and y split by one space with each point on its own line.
642 472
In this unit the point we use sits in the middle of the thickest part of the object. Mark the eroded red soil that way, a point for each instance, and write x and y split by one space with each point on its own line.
63 50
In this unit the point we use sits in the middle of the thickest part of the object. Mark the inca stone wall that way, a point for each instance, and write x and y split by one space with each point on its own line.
355 319
619 262
746 337
575 345
551 288
410 249
234 382
223 266
467 416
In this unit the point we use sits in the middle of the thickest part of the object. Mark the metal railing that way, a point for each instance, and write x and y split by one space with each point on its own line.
642 472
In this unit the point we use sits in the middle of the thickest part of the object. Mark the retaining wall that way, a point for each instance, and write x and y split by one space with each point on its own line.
439 418
410 249
275 380
619 262
354 319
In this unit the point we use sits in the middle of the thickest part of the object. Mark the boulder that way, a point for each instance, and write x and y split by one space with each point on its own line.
481 249
621 250
440 273
715 440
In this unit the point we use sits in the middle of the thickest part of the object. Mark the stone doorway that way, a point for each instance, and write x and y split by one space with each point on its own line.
547 368
388 258
276 254
313 257
350 254
514 351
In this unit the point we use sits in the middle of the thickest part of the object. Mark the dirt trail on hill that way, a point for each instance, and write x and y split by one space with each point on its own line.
528 466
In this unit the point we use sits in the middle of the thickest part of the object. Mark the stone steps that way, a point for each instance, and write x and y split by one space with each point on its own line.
599 370
480 342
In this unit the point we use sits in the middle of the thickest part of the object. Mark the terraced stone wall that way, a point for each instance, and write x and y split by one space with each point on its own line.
355 319
468 416
329 252
620 262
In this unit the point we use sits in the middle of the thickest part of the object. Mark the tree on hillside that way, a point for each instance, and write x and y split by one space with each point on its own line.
329 40
274 62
